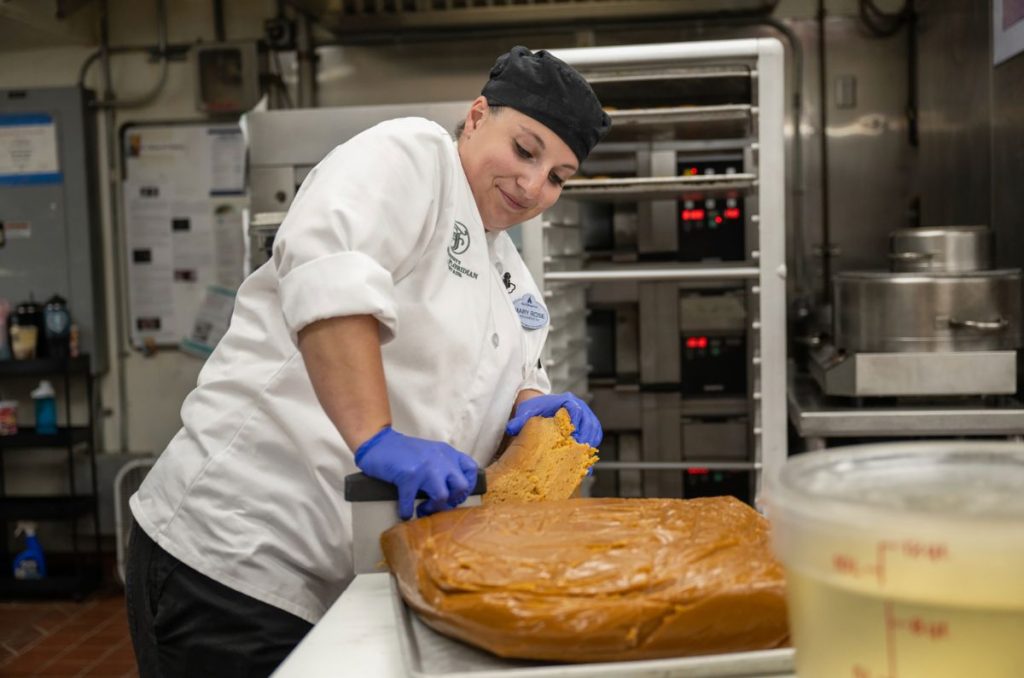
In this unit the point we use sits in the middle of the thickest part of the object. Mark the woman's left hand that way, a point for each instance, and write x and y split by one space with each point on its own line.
588 428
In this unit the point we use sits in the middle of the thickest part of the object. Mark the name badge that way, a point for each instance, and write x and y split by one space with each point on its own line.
532 313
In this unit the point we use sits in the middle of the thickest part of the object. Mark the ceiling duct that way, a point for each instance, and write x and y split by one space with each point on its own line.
359 17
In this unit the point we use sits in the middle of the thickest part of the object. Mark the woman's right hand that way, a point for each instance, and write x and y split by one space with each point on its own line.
444 474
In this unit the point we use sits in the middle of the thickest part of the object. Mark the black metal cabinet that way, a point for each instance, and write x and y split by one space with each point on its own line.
68 574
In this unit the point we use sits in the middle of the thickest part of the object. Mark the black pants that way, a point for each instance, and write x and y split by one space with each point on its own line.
186 624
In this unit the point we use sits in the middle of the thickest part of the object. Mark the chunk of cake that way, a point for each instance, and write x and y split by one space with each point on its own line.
544 462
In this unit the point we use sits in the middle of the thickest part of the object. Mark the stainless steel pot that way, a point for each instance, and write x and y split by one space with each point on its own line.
902 312
947 249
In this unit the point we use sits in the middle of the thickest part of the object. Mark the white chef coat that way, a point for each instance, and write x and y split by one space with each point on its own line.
250 490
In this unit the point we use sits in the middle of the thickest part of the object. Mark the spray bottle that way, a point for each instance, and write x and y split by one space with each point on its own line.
46 408
30 563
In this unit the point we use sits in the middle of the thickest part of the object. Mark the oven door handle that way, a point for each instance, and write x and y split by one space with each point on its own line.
996 325
911 256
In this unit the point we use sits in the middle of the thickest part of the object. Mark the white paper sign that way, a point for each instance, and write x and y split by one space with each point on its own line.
28 149
211 322
229 239
191 235
150 261
227 161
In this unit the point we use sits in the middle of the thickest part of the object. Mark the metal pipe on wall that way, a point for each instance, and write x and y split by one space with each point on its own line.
912 117
109 104
117 236
161 52
305 56
218 20
826 230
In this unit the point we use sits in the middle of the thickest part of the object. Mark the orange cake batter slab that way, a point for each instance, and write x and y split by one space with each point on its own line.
585 580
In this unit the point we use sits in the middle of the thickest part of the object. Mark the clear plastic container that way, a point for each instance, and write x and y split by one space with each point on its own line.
904 560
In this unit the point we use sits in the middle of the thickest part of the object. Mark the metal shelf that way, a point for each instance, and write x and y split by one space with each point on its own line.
56 507
574 347
72 507
684 98
649 86
651 273
682 122
28 437
632 189
44 367
648 76
816 416
677 465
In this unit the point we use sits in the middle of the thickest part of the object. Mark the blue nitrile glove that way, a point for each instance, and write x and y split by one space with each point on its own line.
412 464
588 428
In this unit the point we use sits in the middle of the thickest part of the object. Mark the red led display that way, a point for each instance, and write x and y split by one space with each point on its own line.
696 342
732 213
698 471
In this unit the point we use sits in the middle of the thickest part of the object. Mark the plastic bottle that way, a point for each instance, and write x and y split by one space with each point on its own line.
46 408
56 327
30 563
5 344
73 340
8 417
24 327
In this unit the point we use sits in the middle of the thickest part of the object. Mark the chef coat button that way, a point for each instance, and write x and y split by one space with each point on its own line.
495 340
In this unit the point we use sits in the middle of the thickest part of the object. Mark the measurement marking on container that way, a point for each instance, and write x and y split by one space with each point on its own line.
935 629
911 549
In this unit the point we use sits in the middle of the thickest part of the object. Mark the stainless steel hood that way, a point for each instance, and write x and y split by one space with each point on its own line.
358 17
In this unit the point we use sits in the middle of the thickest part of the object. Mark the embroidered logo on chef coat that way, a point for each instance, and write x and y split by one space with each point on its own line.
532 313
460 239
460 245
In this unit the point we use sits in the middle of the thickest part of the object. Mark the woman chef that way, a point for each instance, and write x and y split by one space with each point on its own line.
394 330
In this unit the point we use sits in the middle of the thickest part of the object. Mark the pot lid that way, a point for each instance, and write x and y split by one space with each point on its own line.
930 231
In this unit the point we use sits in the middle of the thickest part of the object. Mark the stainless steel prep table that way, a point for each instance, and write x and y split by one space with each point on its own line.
358 637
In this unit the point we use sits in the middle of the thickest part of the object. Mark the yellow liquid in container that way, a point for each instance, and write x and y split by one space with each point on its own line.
845 633
904 561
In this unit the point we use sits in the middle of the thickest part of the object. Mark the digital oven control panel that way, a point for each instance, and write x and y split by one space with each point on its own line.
711 229
714 365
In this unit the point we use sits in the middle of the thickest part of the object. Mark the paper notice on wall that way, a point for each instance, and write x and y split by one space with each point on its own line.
229 236
156 155
227 160
211 322
150 262
28 149
192 241
17 229
191 234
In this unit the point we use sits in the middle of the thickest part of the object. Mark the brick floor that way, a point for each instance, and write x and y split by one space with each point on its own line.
66 639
